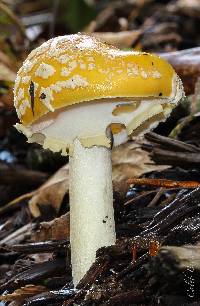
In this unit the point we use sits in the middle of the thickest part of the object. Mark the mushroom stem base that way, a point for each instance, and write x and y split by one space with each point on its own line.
92 223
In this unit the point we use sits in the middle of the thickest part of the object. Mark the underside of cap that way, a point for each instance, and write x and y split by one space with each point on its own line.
77 68
100 122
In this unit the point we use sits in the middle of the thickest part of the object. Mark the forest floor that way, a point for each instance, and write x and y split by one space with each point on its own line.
156 181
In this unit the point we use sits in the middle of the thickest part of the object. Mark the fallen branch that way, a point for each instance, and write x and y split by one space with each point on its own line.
37 272
40 247
163 183
167 151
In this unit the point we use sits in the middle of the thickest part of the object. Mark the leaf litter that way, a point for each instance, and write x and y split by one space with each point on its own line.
154 261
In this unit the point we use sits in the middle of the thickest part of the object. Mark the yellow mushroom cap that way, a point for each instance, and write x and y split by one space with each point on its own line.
80 69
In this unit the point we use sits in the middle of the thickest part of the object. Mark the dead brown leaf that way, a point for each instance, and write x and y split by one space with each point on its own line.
6 74
51 192
123 39
129 160
57 229
20 294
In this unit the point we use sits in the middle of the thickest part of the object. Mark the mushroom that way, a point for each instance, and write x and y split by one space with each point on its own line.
79 96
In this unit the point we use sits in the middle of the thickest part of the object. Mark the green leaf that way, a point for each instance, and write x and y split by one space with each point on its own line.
77 14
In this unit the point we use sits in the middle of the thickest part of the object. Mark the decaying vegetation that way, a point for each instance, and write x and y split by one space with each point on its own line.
156 179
